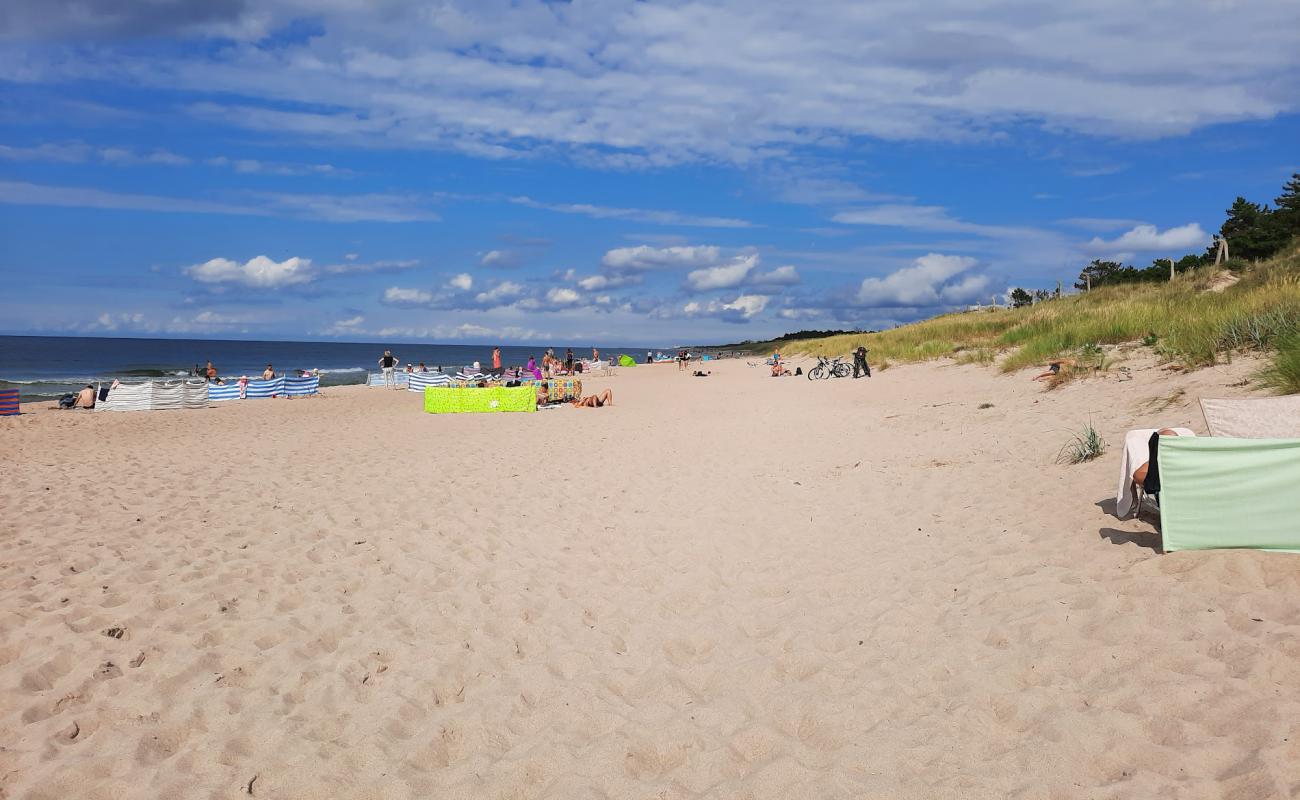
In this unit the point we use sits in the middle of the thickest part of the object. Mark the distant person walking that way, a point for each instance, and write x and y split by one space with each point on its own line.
649 357
568 360
860 362
386 364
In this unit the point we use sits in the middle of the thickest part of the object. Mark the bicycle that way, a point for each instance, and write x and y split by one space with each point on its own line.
829 369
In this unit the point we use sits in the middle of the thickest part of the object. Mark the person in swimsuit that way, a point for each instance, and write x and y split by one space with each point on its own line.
1140 474
268 373
210 372
605 398
85 398
386 363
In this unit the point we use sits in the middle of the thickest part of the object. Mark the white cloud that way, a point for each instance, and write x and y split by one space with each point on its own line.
1145 238
644 257
747 305
781 276
725 276
921 284
742 309
329 208
258 272
128 157
350 322
462 282
253 166
400 296
635 214
561 296
498 258
501 292
354 267
644 84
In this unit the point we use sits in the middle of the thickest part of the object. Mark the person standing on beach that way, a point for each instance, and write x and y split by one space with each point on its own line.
496 360
386 363
595 354
860 362
210 372
568 360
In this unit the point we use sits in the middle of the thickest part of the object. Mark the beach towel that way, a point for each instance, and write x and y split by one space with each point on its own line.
472 399
1221 492
1135 455
1253 417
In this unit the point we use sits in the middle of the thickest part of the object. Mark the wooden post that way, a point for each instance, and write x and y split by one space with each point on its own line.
1088 278
1171 268
1058 288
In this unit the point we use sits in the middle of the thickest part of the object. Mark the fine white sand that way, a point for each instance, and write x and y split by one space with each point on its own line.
726 587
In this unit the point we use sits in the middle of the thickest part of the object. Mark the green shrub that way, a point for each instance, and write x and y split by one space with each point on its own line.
1084 446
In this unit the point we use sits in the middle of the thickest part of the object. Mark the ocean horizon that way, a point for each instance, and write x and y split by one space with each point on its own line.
42 367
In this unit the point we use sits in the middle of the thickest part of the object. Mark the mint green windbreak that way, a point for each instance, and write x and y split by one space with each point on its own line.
1218 492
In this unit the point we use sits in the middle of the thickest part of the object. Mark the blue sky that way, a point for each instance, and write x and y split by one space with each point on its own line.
612 171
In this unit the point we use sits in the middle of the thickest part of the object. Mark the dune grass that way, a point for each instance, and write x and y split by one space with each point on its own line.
1182 321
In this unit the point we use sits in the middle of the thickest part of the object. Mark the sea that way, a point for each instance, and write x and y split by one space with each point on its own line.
41 367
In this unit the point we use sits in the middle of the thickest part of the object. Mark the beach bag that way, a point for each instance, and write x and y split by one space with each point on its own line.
67 401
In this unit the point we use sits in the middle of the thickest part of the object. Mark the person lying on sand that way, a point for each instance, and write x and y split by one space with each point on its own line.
1054 368
605 398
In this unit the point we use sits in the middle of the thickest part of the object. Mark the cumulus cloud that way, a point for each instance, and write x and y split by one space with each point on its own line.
462 282
562 296
259 272
781 276
742 309
1146 238
503 291
924 283
725 276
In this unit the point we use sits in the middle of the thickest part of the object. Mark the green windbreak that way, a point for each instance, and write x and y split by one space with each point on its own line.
477 400
1229 493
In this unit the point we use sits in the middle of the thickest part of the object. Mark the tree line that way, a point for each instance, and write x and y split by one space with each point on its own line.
1251 230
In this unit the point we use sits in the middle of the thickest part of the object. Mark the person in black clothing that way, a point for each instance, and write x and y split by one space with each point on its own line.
386 363
568 360
860 362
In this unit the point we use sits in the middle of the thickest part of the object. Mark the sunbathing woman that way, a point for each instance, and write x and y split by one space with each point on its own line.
1140 474
605 398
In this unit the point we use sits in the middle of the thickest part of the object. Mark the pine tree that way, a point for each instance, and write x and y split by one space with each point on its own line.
1252 230
1288 207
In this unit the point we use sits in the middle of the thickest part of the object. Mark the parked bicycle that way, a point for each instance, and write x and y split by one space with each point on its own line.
834 368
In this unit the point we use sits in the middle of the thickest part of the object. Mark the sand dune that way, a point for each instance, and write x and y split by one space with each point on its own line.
732 587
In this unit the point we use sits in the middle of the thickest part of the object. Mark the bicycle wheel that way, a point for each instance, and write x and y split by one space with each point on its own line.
815 373
842 370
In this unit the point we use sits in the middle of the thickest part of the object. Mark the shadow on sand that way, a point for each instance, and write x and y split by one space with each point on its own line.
1147 539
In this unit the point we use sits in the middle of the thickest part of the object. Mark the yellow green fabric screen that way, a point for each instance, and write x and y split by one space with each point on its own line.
1218 492
479 400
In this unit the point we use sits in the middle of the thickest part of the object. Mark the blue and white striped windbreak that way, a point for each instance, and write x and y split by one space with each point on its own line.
377 378
259 389
417 381
298 387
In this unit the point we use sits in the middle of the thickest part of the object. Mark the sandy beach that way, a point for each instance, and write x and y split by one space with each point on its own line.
729 587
